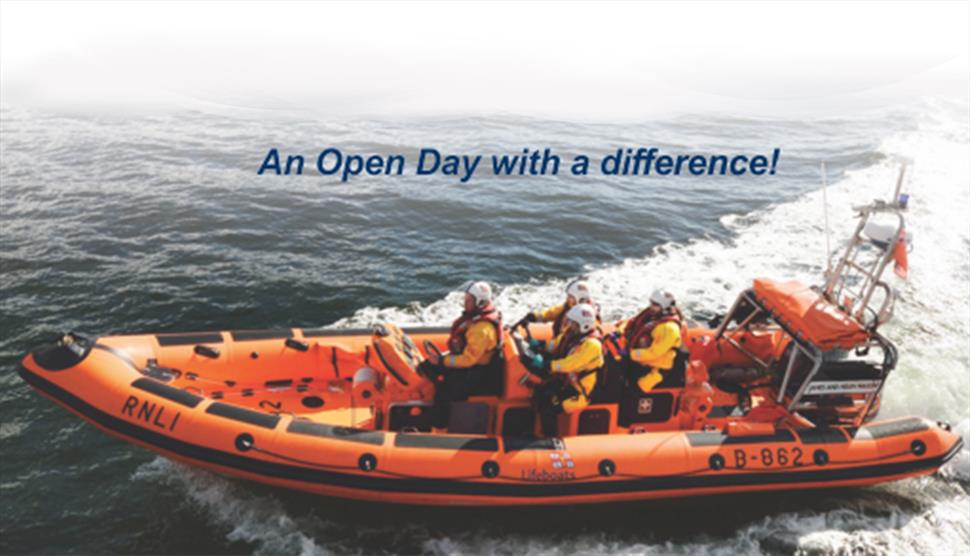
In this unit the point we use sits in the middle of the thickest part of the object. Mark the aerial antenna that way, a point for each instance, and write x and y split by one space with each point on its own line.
897 199
825 210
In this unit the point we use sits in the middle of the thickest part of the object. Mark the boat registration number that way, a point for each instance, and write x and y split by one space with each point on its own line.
767 457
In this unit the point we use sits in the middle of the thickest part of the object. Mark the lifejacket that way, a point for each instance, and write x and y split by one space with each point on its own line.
639 331
457 339
563 349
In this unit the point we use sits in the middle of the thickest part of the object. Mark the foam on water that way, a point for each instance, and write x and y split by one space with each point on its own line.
259 521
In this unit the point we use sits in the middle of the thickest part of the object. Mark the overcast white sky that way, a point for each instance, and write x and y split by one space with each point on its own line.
566 60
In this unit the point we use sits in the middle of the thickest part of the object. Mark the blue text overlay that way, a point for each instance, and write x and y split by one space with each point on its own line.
640 161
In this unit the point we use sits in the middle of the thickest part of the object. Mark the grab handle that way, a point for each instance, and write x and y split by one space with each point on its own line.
293 343
206 351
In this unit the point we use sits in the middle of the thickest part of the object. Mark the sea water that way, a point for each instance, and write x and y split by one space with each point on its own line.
160 222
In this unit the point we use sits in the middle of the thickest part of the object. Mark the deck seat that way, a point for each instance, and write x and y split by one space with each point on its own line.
515 419
594 419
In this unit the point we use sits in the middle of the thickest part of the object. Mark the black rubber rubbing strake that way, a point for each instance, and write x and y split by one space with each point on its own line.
338 332
515 443
325 332
188 339
411 330
244 335
243 415
168 392
449 442
822 436
718 438
894 428
321 430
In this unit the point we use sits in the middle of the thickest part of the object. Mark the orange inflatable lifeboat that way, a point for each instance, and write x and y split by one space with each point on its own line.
781 395
342 413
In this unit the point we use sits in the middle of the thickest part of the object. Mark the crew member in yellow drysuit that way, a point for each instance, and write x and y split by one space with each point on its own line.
467 366
577 292
653 338
573 359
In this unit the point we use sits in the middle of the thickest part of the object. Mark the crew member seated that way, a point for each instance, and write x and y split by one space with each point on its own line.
653 339
577 292
569 365
467 366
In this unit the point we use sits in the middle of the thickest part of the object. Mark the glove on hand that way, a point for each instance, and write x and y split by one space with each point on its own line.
428 370
525 320
537 361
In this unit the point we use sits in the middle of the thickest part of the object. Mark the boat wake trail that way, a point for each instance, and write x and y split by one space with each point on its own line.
258 521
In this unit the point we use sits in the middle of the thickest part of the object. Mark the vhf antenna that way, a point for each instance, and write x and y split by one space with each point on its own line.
825 210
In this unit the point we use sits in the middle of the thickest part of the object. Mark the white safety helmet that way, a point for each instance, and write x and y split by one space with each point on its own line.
584 315
481 291
580 291
663 298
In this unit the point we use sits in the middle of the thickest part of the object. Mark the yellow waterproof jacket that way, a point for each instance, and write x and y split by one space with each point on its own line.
554 312
481 344
549 314
587 356
662 350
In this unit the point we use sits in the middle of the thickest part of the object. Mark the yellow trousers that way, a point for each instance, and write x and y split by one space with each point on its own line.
648 381
572 405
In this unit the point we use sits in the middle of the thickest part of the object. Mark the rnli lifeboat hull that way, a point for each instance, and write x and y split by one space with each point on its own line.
106 384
